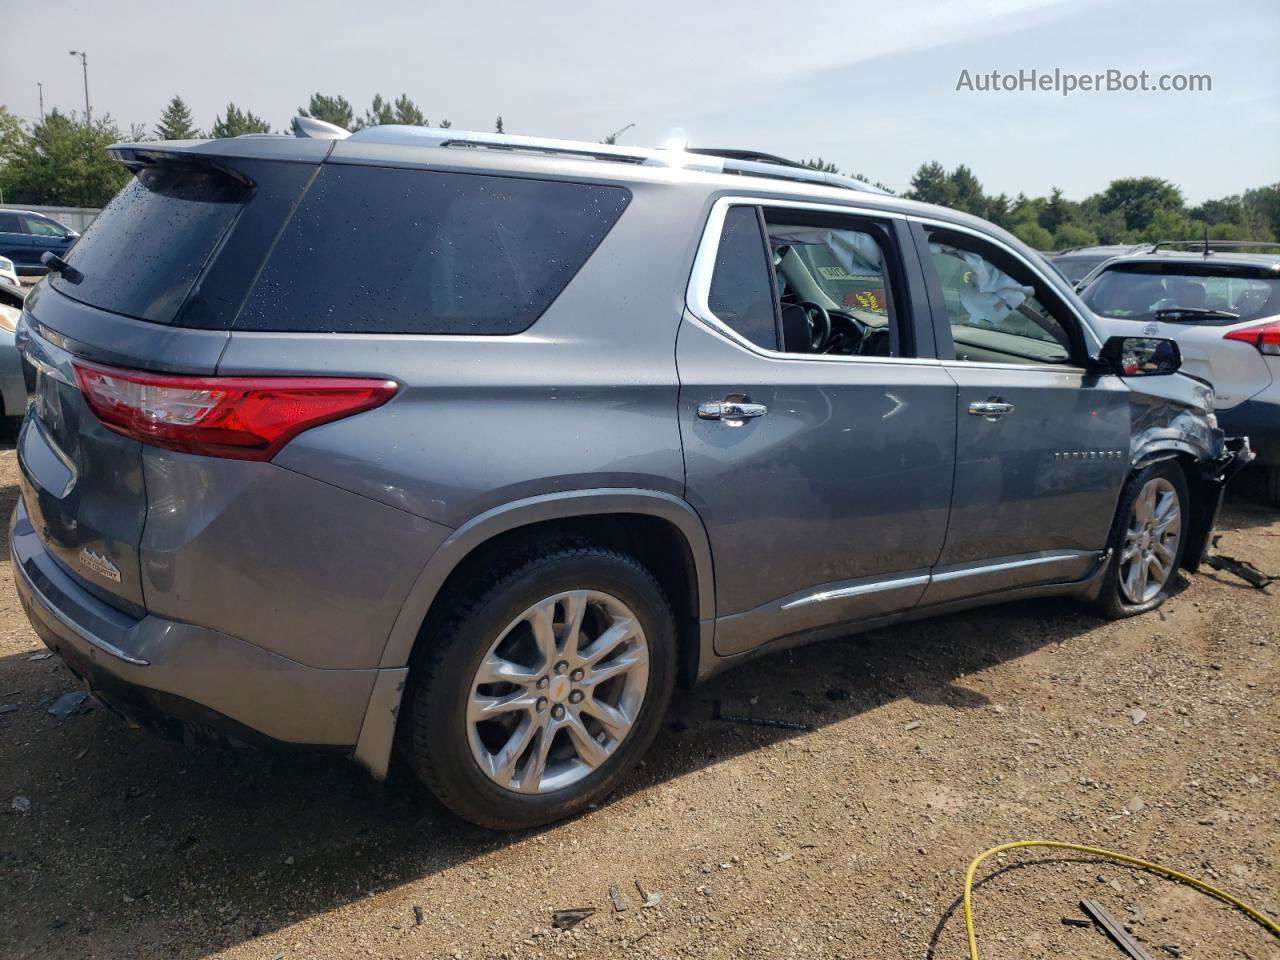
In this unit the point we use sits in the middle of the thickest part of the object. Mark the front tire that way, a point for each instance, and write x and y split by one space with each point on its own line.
1147 542
533 696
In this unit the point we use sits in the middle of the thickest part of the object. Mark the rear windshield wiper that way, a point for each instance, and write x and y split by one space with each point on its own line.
56 264
1174 314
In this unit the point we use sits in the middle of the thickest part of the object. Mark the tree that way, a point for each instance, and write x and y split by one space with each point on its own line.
497 125
335 110
176 123
1033 235
1069 235
822 166
1139 199
379 112
875 183
407 112
967 192
1056 212
63 162
930 184
236 122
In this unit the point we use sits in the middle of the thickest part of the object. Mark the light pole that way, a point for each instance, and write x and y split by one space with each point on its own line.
40 88
84 63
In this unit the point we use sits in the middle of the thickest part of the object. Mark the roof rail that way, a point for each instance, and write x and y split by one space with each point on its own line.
1208 245
749 163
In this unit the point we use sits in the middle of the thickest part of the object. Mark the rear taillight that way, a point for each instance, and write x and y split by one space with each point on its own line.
245 418
1265 337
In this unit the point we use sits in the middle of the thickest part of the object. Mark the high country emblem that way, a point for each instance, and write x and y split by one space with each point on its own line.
99 564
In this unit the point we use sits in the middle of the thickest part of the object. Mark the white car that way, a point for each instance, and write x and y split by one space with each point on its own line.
1223 309
7 273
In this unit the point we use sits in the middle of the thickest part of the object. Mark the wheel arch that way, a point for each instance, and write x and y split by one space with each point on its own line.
578 510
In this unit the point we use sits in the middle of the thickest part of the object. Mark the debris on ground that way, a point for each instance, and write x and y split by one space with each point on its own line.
1137 715
1243 569
8 707
1122 937
615 895
418 915
651 899
913 725
1134 805
70 703
1076 922
570 918
38 656
717 714
20 805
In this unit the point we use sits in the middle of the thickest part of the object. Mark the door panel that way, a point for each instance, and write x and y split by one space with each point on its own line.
847 477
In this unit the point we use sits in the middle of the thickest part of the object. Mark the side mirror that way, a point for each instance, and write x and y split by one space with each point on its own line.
1140 356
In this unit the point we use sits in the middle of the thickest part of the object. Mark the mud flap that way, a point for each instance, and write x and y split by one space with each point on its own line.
1214 476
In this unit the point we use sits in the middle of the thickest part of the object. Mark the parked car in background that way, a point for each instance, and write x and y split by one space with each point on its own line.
616 418
13 391
7 272
25 237
1222 306
1075 264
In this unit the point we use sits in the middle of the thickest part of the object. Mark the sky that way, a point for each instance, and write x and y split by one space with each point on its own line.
867 84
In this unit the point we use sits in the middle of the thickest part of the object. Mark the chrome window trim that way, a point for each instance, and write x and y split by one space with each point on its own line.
704 265
1085 326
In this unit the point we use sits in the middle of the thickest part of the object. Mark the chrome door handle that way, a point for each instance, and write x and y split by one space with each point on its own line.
991 409
733 413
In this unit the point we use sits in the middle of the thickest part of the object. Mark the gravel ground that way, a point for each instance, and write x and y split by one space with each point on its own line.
1157 736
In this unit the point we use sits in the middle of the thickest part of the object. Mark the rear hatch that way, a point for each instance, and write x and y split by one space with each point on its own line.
153 284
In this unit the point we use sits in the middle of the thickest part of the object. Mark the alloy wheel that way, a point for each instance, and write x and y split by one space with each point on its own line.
558 691
1151 541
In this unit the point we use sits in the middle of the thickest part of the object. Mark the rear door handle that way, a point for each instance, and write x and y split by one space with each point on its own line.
992 409
732 413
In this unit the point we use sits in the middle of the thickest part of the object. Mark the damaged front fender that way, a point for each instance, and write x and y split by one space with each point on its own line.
1172 418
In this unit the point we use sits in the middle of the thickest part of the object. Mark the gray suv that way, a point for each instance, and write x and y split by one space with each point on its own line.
472 447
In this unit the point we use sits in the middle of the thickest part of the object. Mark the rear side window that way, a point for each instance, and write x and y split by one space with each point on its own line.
9 223
383 250
143 253
741 291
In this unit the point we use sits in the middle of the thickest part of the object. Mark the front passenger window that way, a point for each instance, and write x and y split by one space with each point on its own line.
992 302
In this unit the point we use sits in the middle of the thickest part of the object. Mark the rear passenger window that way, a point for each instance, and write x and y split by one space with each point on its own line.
741 293
9 223
383 250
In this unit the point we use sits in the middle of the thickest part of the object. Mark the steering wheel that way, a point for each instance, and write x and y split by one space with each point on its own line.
819 324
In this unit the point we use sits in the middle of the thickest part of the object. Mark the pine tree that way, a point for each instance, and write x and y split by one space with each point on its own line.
407 112
497 126
236 122
176 122
822 166
335 110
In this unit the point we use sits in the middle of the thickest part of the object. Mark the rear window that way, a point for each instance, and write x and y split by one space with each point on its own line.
383 250
1210 294
143 253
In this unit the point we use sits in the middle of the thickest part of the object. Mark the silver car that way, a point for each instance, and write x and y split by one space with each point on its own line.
475 446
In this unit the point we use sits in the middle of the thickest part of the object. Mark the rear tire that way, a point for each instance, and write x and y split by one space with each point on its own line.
1147 542
532 696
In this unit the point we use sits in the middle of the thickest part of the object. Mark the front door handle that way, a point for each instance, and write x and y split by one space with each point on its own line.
992 409
732 413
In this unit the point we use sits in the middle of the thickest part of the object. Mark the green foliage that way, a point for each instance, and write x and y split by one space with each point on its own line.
60 162
822 166
236 122
336 110
380 112
1070 235
1140 199
497 125
1033 235
176 123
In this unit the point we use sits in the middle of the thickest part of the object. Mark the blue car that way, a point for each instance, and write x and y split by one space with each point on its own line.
25 236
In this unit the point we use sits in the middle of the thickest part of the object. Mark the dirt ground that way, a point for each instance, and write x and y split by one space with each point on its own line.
1159 736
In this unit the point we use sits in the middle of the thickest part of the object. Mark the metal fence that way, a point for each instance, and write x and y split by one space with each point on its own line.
76 218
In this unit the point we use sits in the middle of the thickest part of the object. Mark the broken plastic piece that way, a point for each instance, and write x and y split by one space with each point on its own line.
1124 940
570 918
759 721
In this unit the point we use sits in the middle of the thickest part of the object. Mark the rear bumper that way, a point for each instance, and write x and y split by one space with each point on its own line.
155 670
1259 420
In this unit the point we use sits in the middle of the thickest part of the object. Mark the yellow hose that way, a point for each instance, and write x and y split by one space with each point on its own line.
1208 888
